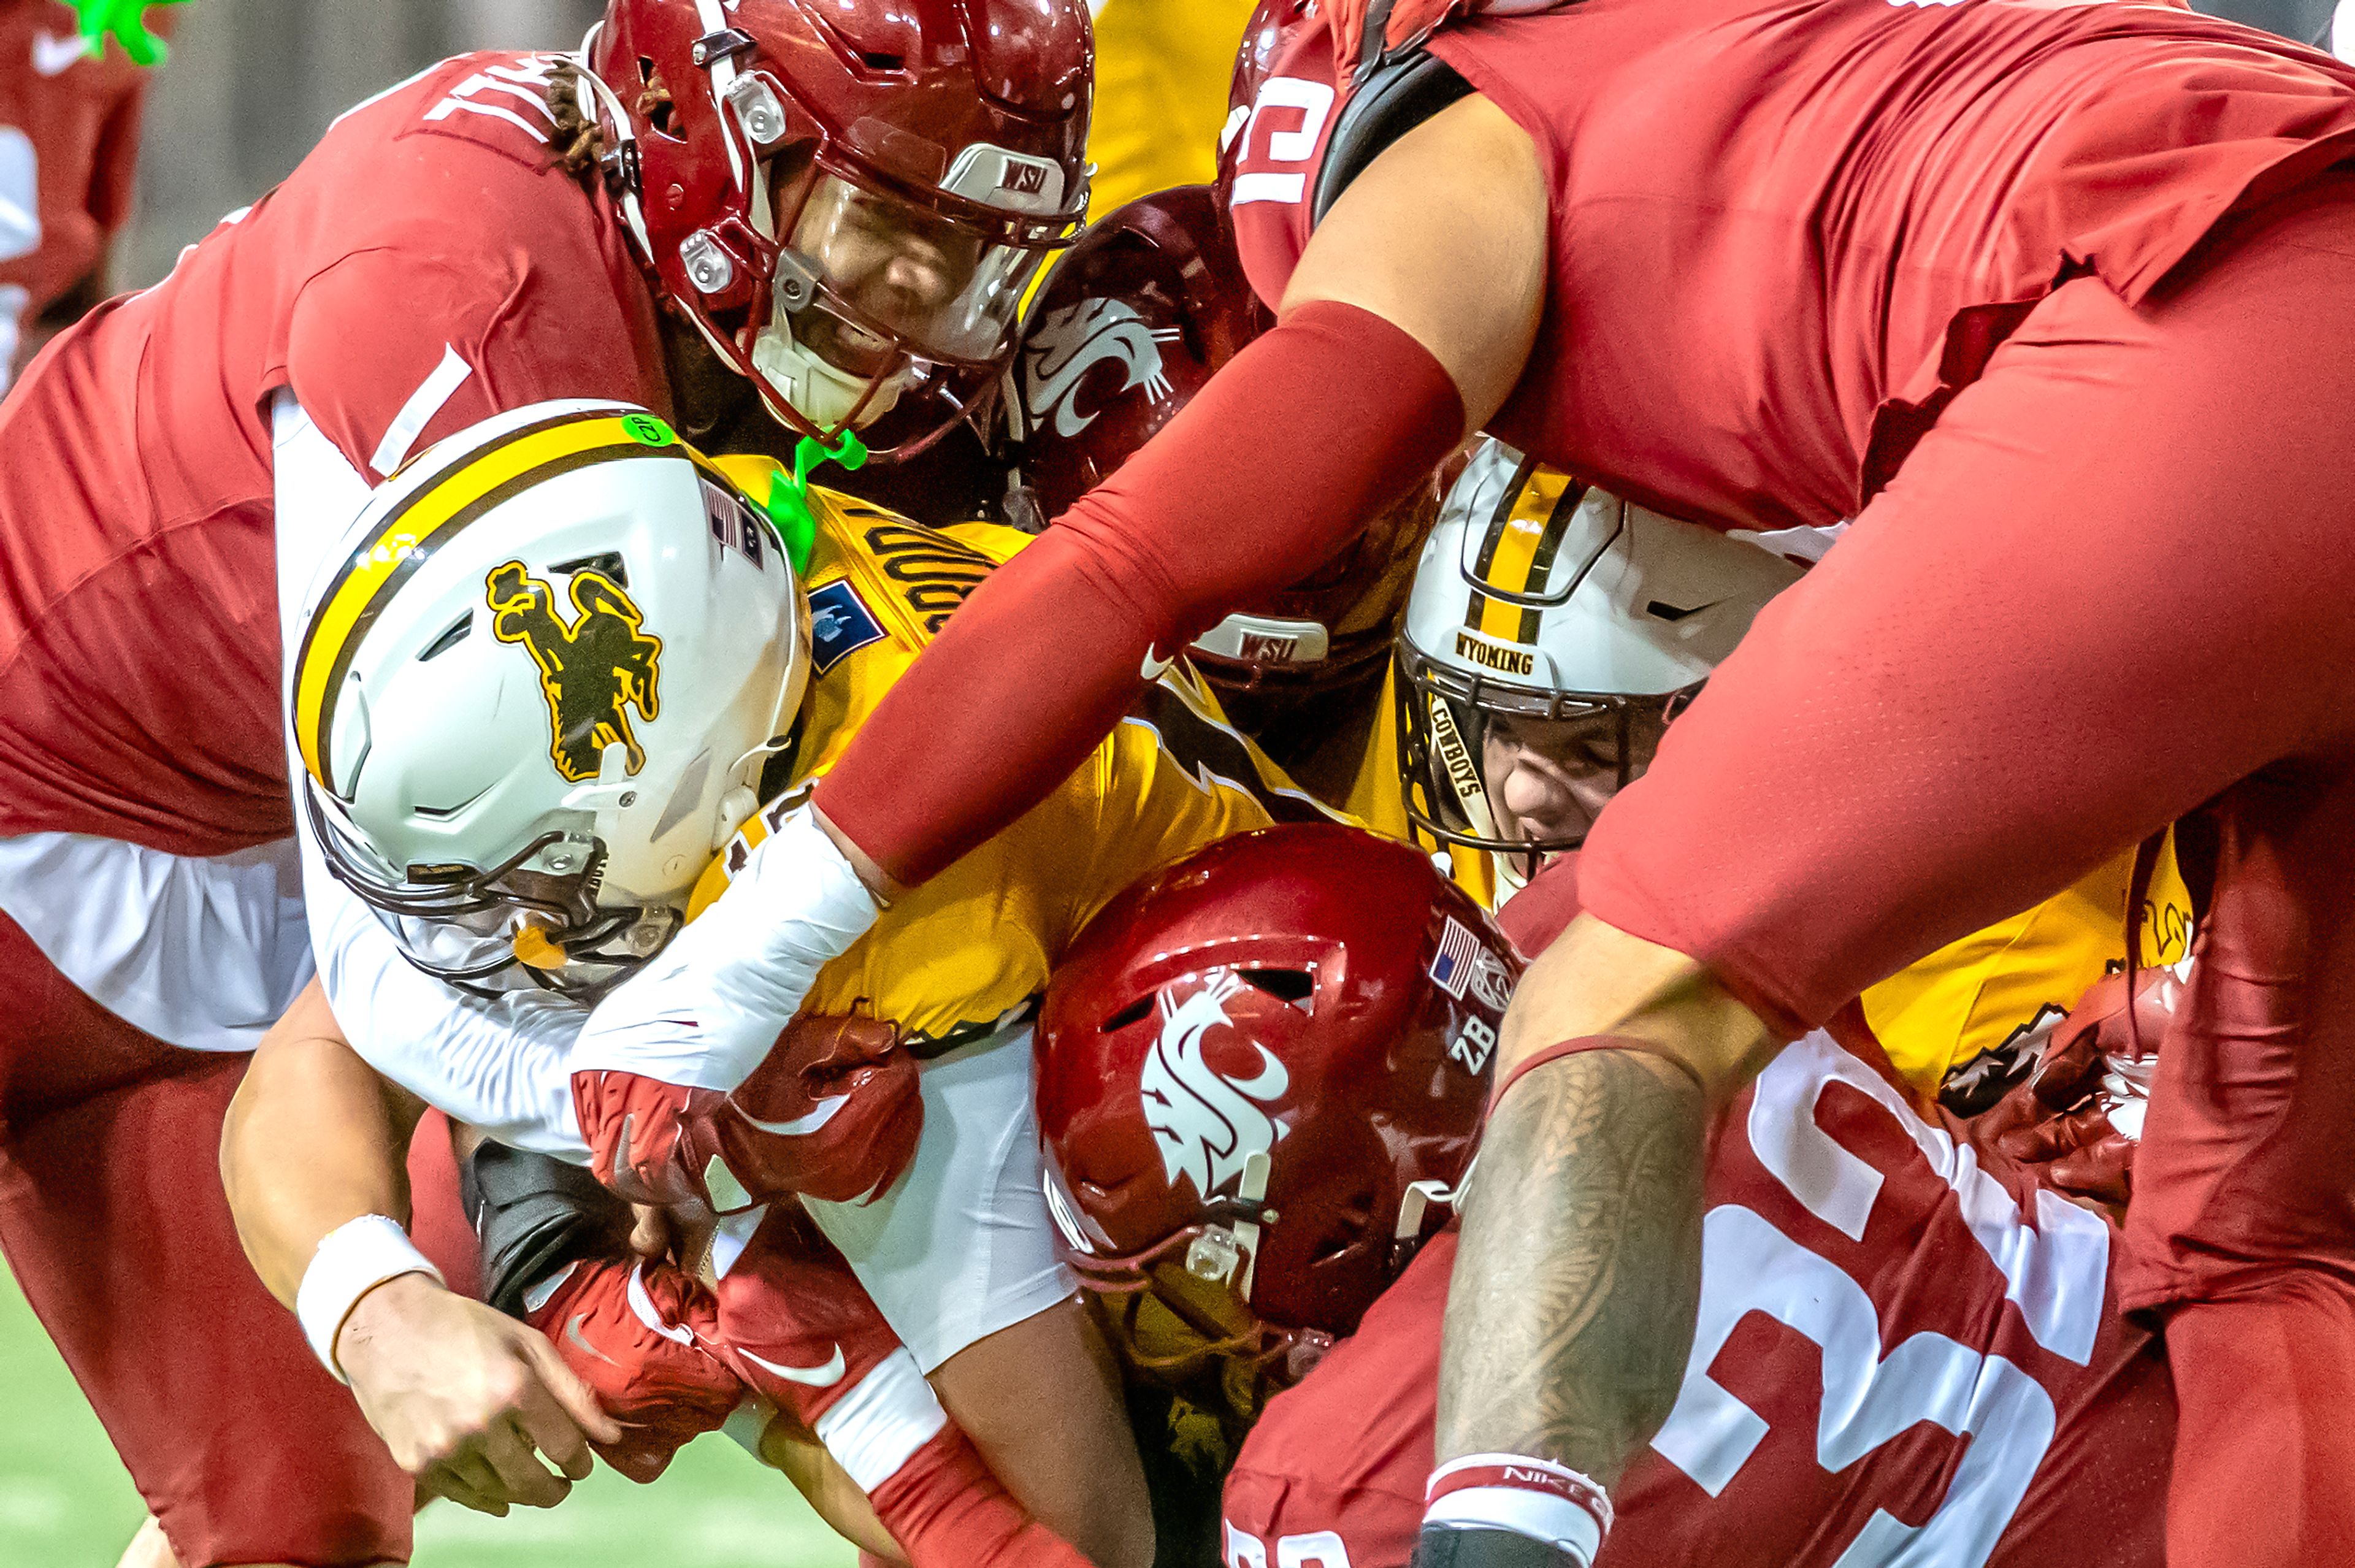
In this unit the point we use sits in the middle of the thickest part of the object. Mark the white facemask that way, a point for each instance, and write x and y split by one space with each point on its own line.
816 389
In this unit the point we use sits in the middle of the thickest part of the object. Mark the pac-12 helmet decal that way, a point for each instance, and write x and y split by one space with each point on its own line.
537 689
847 198
1259 1074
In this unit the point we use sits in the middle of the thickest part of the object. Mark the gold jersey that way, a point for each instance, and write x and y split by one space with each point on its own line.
1991 997
1163 68
970 951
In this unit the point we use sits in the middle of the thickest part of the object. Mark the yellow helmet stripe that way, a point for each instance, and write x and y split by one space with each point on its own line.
1520 549
409 533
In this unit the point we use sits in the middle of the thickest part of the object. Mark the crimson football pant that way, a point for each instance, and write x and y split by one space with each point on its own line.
115 1226
2114 584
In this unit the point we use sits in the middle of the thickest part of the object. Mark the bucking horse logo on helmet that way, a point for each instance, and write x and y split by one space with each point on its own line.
592 671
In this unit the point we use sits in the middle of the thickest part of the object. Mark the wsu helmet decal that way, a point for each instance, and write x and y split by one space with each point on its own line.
1207 1124
1064 345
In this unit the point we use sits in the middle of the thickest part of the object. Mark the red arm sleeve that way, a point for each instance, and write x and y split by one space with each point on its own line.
1280 460
2109 583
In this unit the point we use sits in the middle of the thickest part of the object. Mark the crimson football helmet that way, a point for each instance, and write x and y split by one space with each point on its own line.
846 197
1149 302
1259 1071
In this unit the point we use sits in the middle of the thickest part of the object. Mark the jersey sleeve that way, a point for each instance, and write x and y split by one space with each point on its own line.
501 1066
1270 1521
1333 1474
2041 645
392 348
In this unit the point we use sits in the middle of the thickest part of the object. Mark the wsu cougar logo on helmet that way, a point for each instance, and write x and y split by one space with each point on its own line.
593 672
1206 1124
1067 344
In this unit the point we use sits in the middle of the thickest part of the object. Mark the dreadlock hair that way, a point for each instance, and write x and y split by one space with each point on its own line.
580 141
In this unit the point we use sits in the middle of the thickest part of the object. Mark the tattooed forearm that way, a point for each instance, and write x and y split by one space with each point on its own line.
1570 1312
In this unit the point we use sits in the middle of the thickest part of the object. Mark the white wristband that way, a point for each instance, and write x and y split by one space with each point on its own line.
705 1011
1512 1492
353 1259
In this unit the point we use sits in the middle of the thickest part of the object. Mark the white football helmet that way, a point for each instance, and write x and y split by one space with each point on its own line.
1541 598
537 688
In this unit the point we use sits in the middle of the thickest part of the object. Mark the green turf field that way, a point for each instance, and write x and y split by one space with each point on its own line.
65 1501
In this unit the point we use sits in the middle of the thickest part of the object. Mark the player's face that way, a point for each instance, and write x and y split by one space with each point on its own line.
943 289
1548 779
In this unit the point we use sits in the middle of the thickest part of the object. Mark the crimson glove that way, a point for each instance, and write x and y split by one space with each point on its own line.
636 1333
797 1325
831 1113
2077 1119
794 1321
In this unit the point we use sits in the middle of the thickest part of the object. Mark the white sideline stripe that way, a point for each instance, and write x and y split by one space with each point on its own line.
887 1415
419 410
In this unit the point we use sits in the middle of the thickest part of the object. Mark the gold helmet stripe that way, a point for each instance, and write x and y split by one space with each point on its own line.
1523 537
436 513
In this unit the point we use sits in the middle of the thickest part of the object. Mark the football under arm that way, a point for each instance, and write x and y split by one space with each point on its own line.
313 1140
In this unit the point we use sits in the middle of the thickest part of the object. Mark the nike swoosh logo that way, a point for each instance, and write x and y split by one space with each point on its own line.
572 1332
824 1376
644 1306
1154 669
801 1127
1667 612
52 55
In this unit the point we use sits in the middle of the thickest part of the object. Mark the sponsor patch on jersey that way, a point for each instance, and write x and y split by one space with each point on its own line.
840 625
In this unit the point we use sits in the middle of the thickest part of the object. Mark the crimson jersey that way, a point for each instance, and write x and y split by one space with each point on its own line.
69 147
1902 1356
426 266
1818 217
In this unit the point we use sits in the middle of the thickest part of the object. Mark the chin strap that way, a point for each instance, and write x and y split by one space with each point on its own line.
601 107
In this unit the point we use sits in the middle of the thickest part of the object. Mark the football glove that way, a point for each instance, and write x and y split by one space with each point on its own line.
2078 1118
636 1332
804 1334
831 1113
